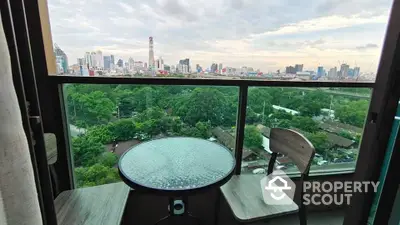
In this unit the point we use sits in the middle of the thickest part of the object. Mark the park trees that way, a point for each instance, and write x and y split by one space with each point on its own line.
352 112
252 137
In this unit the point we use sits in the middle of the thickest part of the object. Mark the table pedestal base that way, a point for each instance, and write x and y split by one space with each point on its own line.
178 213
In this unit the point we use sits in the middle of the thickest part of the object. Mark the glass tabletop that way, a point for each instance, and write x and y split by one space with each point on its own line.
178 163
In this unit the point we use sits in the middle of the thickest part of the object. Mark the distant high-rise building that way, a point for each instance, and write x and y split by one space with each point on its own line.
290 70
151 54
160 64
81 61
112 61
214 68
63 59
107 62
350 73
120 63
320 71
131 63
173 69
167 68
332 74
93 59
145 65
185 61
99 59
356 71
88 59
344 70
220 67
298 67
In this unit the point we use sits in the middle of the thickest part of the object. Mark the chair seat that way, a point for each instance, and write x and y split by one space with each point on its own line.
244 196
99 205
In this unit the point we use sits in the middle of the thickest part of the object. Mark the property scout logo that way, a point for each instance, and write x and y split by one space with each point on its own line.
278 189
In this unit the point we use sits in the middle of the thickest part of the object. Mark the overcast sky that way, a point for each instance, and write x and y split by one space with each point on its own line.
264 34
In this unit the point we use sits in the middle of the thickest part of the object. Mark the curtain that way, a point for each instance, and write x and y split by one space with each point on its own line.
19 203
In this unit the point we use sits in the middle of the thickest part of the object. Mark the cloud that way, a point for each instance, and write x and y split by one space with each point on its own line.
367 46
126 7
263 34
323 23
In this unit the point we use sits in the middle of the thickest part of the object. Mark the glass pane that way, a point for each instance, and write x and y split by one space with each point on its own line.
107 120
328 40
331 118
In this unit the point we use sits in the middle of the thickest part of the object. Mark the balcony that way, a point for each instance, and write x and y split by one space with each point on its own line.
87 123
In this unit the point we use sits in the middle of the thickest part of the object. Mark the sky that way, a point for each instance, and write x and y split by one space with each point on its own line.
263 34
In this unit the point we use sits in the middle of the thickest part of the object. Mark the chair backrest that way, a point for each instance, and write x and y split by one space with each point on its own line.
293 145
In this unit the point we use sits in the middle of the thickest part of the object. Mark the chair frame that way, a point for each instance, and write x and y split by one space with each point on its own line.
304 171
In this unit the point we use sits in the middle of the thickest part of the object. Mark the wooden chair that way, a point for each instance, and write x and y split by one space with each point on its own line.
243 192
99 205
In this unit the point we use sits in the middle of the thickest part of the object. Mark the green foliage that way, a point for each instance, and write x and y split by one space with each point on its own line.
200 130
285 123
96 174
304 123
346 134
122 130
252 137
86 150
320 142
259 100
203 105
89 109
353 112
281 115
148 111
108 159
100 134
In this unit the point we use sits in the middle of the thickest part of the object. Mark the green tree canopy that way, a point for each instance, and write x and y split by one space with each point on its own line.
95 175
252 137
86 151
304 123
203 105
353 112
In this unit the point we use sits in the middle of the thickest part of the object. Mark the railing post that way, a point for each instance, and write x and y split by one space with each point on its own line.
240 124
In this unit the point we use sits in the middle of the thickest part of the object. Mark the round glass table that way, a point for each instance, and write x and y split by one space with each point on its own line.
176 167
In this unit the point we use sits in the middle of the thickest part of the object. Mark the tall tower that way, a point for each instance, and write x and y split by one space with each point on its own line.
151 54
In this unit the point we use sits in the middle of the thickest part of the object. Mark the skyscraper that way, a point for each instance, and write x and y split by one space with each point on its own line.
131 63
151 54
184 61
320 71
344 70
107 62
356 71
88 59
81 61
99 59
220 67
112 61
160 64
62 57
290 70
332 74
120 63
93 59
298 67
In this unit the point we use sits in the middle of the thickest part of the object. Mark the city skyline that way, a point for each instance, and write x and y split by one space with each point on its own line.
235 33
